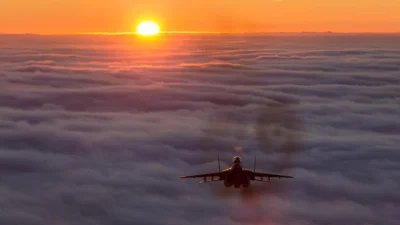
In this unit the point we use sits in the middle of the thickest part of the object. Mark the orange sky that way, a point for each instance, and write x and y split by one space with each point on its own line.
82 16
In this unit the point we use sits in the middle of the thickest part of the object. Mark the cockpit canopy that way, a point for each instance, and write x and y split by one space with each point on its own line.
237 159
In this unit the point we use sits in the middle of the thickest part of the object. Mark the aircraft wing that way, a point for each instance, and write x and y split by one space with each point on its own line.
203 175
257 174
217 174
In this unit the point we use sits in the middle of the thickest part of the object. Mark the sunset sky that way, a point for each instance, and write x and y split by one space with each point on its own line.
78 16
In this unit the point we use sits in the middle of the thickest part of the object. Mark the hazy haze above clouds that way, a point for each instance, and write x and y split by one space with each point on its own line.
98 129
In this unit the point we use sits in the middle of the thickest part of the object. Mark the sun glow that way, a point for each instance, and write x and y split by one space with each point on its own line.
147 28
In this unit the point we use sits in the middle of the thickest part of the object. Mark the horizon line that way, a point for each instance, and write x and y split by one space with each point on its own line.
202 32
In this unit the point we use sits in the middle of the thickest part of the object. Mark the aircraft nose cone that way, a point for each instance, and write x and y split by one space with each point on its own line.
236 159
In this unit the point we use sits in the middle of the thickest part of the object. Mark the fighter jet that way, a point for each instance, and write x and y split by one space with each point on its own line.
236 175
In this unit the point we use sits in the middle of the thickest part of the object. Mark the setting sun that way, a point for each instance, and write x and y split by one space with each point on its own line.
147 28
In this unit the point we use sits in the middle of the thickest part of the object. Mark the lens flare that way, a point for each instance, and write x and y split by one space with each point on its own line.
273 132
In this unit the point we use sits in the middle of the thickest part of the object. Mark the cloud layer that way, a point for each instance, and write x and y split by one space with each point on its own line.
98 129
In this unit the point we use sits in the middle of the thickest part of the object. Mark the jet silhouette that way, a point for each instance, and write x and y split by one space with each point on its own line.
236 175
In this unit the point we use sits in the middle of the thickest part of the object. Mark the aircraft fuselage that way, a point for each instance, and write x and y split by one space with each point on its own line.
236 177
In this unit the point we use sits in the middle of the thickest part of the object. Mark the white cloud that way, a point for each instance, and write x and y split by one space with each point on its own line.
88 135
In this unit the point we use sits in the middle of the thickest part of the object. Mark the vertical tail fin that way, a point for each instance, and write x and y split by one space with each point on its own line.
219 167
254 163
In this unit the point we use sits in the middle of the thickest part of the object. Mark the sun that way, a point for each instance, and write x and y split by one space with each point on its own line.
147 28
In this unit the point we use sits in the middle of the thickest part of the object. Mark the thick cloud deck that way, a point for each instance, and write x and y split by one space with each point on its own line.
98 129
